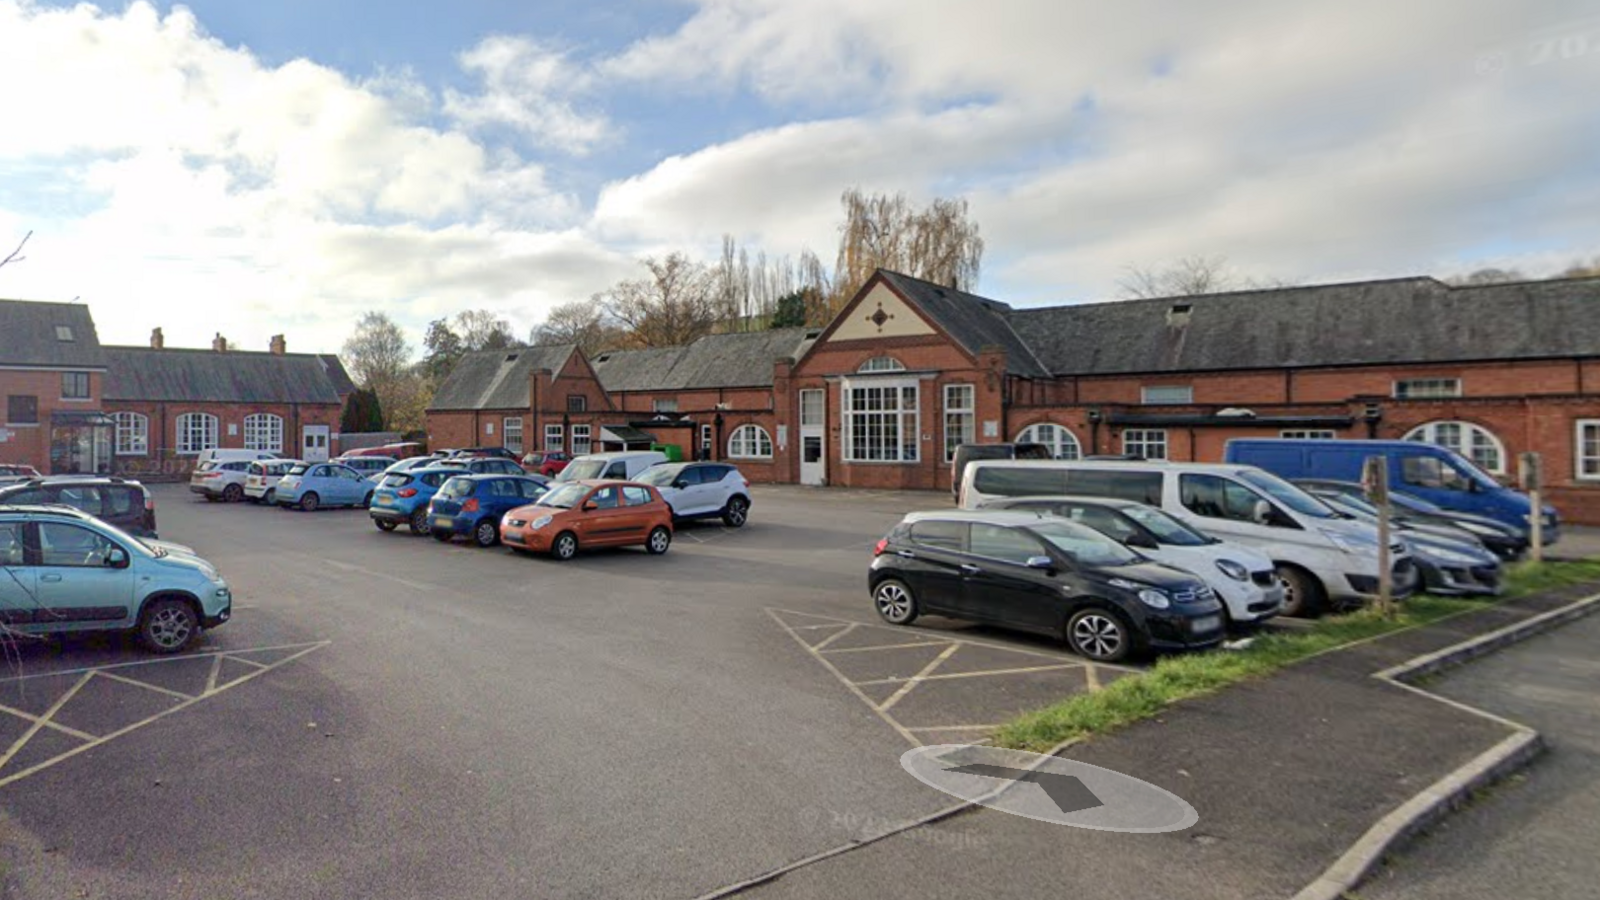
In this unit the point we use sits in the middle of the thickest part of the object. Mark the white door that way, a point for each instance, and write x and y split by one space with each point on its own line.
314 443
813 440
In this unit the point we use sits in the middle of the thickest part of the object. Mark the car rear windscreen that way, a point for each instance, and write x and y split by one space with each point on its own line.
398 479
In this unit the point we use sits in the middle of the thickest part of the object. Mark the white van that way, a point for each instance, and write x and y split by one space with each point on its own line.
232 454
1324 558
623 464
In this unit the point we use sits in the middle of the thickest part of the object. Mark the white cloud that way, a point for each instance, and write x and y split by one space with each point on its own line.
529 87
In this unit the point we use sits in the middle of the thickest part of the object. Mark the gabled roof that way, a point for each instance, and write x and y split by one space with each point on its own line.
1410 320
342 382
741 359
497 379
972 321
28 335
206 376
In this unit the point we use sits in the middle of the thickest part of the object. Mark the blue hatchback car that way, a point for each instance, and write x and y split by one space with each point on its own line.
311 486
473 504
402 496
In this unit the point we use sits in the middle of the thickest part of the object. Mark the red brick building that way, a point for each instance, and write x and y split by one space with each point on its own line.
909 369
73 405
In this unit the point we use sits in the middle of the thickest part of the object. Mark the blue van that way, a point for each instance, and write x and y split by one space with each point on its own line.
1434 473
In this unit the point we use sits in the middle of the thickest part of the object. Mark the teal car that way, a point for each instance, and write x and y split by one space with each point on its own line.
62 570
402 497
311 486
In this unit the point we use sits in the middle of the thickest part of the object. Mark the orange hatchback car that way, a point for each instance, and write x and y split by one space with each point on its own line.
585 514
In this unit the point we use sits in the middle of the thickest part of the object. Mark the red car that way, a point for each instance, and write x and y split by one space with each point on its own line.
546 463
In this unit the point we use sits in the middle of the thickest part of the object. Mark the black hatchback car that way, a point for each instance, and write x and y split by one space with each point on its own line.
1041 574
117 501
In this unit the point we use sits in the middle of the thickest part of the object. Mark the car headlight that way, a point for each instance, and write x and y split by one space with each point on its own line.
1233 570
1450 556
1350 543
1154 599
542 521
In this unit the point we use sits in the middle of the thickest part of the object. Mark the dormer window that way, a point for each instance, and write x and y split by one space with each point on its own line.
64 333
881 364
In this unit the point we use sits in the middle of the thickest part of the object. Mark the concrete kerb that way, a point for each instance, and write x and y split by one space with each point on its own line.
1438 800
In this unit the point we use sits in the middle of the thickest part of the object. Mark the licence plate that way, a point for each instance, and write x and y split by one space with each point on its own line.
1206 623
443 521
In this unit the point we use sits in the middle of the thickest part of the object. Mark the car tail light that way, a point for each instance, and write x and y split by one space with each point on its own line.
746 482
470 505
150 502
882 545
408 492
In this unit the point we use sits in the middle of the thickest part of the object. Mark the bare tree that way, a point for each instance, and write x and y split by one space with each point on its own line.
936 244
480 329
675 305
1187 276
1487 275
16 255
378 358
581 322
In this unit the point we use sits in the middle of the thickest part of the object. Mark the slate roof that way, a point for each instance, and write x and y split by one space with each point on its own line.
1407 320
28 335
206 376
742 359
972 321
342 382
497 379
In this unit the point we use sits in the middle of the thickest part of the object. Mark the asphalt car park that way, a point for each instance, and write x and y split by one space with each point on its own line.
390 716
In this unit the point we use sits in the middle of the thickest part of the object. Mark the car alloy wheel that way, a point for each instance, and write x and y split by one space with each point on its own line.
736 512
894 602
233 493
1099 635
168 626
660 539
486 534
309 502
419 522
1300 596
271 497
565 546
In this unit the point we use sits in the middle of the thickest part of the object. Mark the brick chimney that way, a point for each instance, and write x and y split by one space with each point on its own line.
219 343
278 345
157 340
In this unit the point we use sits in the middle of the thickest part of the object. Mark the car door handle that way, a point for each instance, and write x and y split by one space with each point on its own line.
52 577
970 570
905 554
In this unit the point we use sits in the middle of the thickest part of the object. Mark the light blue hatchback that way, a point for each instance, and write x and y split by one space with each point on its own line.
311 486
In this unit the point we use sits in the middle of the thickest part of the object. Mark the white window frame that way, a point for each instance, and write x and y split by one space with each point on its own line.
132 434
879 364
707 436
1309 434
511 434
1143 440
883 420
582 440
1051 435
263 431
1464 438
1181 394
192 426
750 442
1427 388
960 417
555 439
817 416
1586 466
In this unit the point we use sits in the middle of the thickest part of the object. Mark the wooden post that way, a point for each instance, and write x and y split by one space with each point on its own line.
1375 476
1530 472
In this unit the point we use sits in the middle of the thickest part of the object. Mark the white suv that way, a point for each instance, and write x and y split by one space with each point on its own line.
219 480
701 490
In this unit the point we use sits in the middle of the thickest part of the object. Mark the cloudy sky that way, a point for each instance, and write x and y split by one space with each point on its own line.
256 168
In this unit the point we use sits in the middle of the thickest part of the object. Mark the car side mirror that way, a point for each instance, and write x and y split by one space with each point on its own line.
1261 513
680 484
1044 563
116 558
591 506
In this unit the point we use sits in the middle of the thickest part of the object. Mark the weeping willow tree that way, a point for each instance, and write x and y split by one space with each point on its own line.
936 243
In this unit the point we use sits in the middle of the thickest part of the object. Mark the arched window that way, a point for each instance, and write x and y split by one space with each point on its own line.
263 431
1472 441
750 442
881 364
133 434
196 432
1062 443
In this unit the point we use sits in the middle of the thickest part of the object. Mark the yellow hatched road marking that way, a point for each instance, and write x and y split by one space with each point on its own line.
49 714
917 678
950 676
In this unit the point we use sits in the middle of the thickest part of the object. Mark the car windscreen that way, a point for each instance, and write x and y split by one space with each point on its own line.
565 496
1285 493
583 468
1415 504
659 476
1166 529
456 488
1084 545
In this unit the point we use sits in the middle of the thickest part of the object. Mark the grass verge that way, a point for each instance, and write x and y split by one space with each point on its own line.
1176 678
